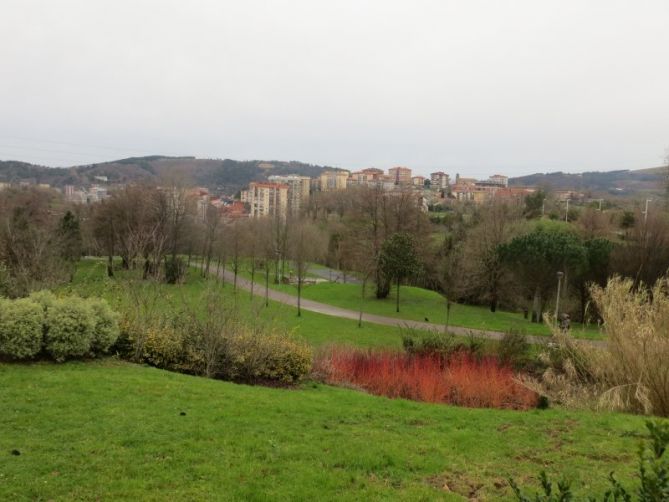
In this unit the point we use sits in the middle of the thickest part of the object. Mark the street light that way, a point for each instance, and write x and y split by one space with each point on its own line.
566 213
560 274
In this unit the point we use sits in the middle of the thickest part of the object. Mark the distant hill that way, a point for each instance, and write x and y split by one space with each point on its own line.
612 182
227 176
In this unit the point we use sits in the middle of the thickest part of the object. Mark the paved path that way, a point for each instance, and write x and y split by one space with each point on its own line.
323 308
333 275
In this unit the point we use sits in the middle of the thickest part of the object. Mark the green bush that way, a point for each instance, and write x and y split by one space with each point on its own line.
514 349
164 347
70 326
257 357
106 330
175 270
44 298
21 328
431 343
439 344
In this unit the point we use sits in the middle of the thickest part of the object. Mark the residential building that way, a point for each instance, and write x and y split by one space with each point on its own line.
368 176
334 180
400 175
499 179
266 199
439 180
298 190
418 181
464 181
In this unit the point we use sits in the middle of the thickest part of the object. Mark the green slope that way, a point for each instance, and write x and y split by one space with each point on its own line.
108 430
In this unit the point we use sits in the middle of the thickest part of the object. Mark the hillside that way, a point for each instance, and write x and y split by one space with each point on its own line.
227 176
624 182
108 430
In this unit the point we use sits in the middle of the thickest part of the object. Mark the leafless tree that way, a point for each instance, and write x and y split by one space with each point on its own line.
306 244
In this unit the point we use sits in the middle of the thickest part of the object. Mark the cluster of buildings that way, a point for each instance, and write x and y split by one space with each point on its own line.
288 194
81 195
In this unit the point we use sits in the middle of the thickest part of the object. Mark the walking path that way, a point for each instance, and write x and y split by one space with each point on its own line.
333 275
323 308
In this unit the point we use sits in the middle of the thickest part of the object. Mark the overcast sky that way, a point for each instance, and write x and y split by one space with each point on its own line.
466 86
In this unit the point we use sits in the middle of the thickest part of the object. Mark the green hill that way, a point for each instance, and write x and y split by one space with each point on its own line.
227 176
107 430
623 183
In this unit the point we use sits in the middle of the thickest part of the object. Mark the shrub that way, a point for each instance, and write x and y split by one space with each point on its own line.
175 269
44 298
272 357
439 344
21 328
106 329
164 347
513 349
432 343
70 326
462 379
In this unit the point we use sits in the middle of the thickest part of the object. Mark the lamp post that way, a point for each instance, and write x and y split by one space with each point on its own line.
557 300
566 213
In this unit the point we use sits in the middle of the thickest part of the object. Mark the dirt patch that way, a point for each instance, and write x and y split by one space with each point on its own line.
459 483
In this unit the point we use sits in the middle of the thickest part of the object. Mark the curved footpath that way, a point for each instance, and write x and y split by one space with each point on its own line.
324 308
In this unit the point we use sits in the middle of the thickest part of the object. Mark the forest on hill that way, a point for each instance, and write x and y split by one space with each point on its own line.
227 176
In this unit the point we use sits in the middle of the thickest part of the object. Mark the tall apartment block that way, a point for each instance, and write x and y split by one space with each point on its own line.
333 180
298 190
266 199
400 175
439 180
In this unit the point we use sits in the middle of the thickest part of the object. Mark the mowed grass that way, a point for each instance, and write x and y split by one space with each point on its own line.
317 329
418 304
108 430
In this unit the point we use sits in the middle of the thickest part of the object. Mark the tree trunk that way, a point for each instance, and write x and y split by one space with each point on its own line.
253 276
299 296
362 300
267 285
584 300
398 295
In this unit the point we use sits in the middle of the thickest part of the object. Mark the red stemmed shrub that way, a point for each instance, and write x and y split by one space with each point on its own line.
459 379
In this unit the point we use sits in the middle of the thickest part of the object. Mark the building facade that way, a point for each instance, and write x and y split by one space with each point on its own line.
266 199
400 175
298 190
333 180
439 180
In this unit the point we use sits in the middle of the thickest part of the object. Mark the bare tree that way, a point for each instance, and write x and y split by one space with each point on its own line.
306 244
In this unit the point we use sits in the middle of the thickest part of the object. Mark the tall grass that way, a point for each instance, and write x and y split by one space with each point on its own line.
460 379
632 372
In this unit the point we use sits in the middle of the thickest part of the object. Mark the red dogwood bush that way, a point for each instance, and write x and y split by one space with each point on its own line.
460 379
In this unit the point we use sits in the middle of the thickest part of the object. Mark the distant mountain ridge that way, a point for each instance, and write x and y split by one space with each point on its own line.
622 182
227 176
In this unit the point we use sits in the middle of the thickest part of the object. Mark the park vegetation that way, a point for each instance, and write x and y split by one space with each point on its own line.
509 256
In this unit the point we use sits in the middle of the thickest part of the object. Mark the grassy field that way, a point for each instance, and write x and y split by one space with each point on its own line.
317 329
418 304
108 430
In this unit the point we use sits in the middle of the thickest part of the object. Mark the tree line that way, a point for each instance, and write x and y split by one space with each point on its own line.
502 255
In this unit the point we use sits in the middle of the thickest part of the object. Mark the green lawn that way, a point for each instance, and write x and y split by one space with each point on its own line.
110 430
417 304
317 329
